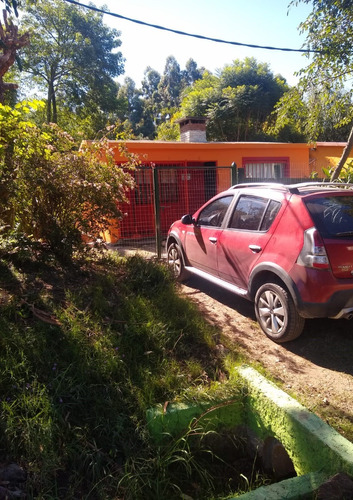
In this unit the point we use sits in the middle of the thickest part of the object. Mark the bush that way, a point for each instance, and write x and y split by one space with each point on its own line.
52 190
346 174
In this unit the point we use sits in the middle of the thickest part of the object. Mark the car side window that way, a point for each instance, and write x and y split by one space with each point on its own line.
248 213
270 215
214 213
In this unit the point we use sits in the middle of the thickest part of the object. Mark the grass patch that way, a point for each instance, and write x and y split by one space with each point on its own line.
84 351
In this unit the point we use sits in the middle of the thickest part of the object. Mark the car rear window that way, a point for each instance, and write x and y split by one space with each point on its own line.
332 215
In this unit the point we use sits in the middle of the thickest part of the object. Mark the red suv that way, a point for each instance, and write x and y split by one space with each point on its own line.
287 248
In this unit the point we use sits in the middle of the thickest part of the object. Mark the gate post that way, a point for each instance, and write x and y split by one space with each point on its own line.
157 212
234 173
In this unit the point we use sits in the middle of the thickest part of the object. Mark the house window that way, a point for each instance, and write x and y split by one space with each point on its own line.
266 168
168 185
144 188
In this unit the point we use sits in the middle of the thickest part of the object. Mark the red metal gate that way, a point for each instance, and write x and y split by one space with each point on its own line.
182 188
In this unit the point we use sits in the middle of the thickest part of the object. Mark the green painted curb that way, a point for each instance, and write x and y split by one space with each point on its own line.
289 489
311 443
178 417
316 450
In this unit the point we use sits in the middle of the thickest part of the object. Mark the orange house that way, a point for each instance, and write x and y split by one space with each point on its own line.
193 170
326 155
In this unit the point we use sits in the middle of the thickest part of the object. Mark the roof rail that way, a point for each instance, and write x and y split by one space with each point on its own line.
294 188
275 185
342 185
259 184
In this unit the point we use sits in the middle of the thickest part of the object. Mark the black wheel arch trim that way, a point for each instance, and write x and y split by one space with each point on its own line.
175 237
271 268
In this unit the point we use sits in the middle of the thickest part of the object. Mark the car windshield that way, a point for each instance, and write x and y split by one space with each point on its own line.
332 215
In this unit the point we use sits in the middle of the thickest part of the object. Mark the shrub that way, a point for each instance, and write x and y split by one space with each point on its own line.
346 174
52 190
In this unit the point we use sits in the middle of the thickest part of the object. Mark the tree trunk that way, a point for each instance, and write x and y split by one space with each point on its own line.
49 105
344 157
55 110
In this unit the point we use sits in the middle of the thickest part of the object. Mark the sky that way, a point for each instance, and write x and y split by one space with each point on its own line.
260 22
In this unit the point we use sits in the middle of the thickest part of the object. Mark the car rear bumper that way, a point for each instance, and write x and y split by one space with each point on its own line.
340 305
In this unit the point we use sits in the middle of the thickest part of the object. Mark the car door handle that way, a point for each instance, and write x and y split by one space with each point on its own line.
212 239
255 248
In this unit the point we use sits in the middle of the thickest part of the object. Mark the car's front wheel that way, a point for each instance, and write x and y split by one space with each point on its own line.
276 313
176 262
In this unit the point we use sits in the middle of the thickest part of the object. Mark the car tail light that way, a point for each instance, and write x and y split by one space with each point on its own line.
313 253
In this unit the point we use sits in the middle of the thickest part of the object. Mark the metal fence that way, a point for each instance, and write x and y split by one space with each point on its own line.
164 193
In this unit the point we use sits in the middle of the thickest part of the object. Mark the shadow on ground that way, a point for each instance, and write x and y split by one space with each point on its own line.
324 342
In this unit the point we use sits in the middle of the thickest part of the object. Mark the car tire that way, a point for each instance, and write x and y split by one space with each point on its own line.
276 313
176 262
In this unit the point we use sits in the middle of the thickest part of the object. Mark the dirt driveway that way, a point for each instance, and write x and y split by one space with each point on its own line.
316 368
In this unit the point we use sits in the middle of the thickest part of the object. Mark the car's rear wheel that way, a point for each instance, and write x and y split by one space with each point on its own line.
176 262
276 313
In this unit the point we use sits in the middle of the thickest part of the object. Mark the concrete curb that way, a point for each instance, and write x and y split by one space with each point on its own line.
288 489
316 450
311 443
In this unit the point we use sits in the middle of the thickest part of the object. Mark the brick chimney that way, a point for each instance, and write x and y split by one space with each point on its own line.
192 129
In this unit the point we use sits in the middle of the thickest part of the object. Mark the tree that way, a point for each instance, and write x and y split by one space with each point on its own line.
162 94
237 103
132 110
329 34
314 114
191 73
72 57
151 97
150 82
170 84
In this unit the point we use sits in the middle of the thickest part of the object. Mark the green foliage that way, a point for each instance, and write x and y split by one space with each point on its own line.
329 31
346 174
198 97
191 73
318 112
237 103
168 131
170 84
151 97
83 352
322 88
171 471
72 58
148 110
135 111
49 189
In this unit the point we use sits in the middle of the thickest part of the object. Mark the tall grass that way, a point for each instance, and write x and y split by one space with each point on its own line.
84 351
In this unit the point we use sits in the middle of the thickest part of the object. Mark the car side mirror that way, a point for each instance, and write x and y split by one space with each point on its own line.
187 219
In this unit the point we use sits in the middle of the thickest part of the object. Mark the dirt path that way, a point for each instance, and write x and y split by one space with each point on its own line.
317 368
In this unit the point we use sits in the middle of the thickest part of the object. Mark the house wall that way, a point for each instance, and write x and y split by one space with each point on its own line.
300 161
326 155
222 153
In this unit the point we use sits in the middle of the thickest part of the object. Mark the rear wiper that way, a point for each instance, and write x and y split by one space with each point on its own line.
345 233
